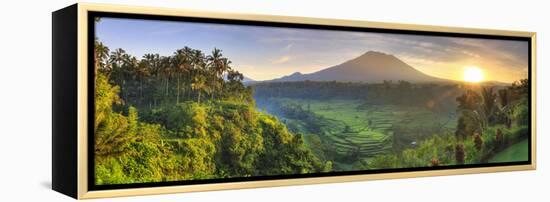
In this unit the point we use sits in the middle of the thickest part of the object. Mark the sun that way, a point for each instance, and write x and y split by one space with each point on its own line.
473 74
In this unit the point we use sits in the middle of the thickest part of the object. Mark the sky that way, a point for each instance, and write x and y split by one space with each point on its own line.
264 53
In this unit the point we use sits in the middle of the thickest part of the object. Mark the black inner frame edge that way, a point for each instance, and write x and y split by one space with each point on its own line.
91 97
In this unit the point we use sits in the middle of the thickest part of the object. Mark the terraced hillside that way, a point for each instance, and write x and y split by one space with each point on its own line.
354 130
363 131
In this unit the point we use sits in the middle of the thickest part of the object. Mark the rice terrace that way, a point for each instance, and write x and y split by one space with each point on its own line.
358 132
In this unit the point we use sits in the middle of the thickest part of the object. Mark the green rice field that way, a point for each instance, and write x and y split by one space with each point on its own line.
514 153
367 130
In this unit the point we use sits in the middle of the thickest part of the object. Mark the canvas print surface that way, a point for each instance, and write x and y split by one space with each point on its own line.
188 101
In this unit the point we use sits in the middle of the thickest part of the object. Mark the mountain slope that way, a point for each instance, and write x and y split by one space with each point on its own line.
370 67
248 79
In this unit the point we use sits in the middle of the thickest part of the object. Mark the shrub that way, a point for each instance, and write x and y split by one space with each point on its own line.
478 141
459 153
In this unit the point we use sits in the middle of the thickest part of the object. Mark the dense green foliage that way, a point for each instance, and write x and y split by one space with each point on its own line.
488 123
355 134
126 150
196 121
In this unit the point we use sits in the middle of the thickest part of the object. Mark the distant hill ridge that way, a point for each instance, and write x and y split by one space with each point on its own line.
371 67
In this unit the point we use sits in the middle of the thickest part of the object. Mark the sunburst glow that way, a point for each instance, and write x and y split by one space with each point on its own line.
473 74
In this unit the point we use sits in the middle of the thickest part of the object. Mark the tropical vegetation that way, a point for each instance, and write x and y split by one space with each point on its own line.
191 116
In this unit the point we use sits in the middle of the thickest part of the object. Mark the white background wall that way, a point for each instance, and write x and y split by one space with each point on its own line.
25 99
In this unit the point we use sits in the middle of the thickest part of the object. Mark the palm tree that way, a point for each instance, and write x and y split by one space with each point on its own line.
199 84
189 52
117 57
226 65
181 66
153 66
166 68
234 85
119 62
198 77
198 59
215 61
101 54
218 66
130 69
152 62
142 72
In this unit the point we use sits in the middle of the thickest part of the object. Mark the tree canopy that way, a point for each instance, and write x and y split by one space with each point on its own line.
186 116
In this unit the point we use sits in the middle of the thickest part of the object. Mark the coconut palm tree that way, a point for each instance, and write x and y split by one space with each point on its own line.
181 65
101 55
166 69
198 85
218 65
152 62
198 76
117 57
119 62
131 77
226 65
142 72
215 62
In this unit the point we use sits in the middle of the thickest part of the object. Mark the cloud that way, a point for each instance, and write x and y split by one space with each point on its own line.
281 60
288 47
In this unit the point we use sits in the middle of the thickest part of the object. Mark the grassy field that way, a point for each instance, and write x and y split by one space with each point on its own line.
516 152
368 130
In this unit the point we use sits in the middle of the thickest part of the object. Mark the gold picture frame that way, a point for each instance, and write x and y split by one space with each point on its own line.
71 174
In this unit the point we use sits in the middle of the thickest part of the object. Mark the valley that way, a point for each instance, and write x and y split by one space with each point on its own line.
357 132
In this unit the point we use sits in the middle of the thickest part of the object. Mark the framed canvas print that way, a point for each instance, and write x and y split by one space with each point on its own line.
152 101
